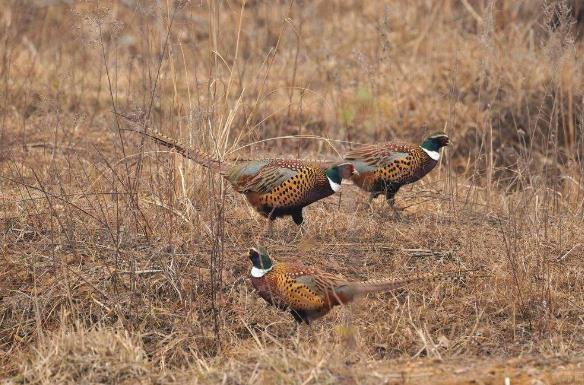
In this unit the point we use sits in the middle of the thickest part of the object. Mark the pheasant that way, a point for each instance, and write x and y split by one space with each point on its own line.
309 293
383 168
274 187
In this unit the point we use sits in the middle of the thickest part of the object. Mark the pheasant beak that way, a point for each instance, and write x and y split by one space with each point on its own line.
355 172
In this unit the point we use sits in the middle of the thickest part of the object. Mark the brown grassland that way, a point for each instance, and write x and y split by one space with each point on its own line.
123 263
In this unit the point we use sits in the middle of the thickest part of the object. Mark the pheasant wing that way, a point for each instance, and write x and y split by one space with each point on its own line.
242 173
307 289
272 175
373 156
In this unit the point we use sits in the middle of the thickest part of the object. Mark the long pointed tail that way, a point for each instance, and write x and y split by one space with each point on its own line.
396 283
194 154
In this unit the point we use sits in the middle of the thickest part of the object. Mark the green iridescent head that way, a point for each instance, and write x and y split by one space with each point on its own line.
338 172
436 141
259 258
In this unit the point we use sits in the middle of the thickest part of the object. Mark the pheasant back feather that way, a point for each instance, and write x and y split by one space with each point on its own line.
274 173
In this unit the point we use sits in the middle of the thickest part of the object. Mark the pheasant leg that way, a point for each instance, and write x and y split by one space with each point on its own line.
268 230
391 202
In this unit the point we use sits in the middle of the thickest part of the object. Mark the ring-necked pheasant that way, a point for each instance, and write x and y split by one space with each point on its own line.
274 187
383 168
309 293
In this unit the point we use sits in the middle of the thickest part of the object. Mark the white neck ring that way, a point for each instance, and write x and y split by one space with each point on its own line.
334 186
432 154
258 273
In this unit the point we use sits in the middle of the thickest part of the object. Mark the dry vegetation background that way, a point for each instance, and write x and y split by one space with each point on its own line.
122 263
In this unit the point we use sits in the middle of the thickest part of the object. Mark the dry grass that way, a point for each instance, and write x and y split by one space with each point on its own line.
123 263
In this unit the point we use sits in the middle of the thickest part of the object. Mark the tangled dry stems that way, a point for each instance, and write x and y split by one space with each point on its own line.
125 264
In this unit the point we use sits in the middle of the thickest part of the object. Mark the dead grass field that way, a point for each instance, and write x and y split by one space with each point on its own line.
123 263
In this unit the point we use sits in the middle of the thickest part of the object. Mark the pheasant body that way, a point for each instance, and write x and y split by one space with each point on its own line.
384 168
279 187
309 293
274 187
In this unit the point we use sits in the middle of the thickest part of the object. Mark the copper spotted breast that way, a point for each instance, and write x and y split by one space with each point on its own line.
384 168
274 187
309 293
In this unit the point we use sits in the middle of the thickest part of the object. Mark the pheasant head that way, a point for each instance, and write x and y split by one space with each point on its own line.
336 173
434 143
260 260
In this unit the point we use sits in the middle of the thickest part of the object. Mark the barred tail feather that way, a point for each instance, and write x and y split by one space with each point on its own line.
397 283
194 154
